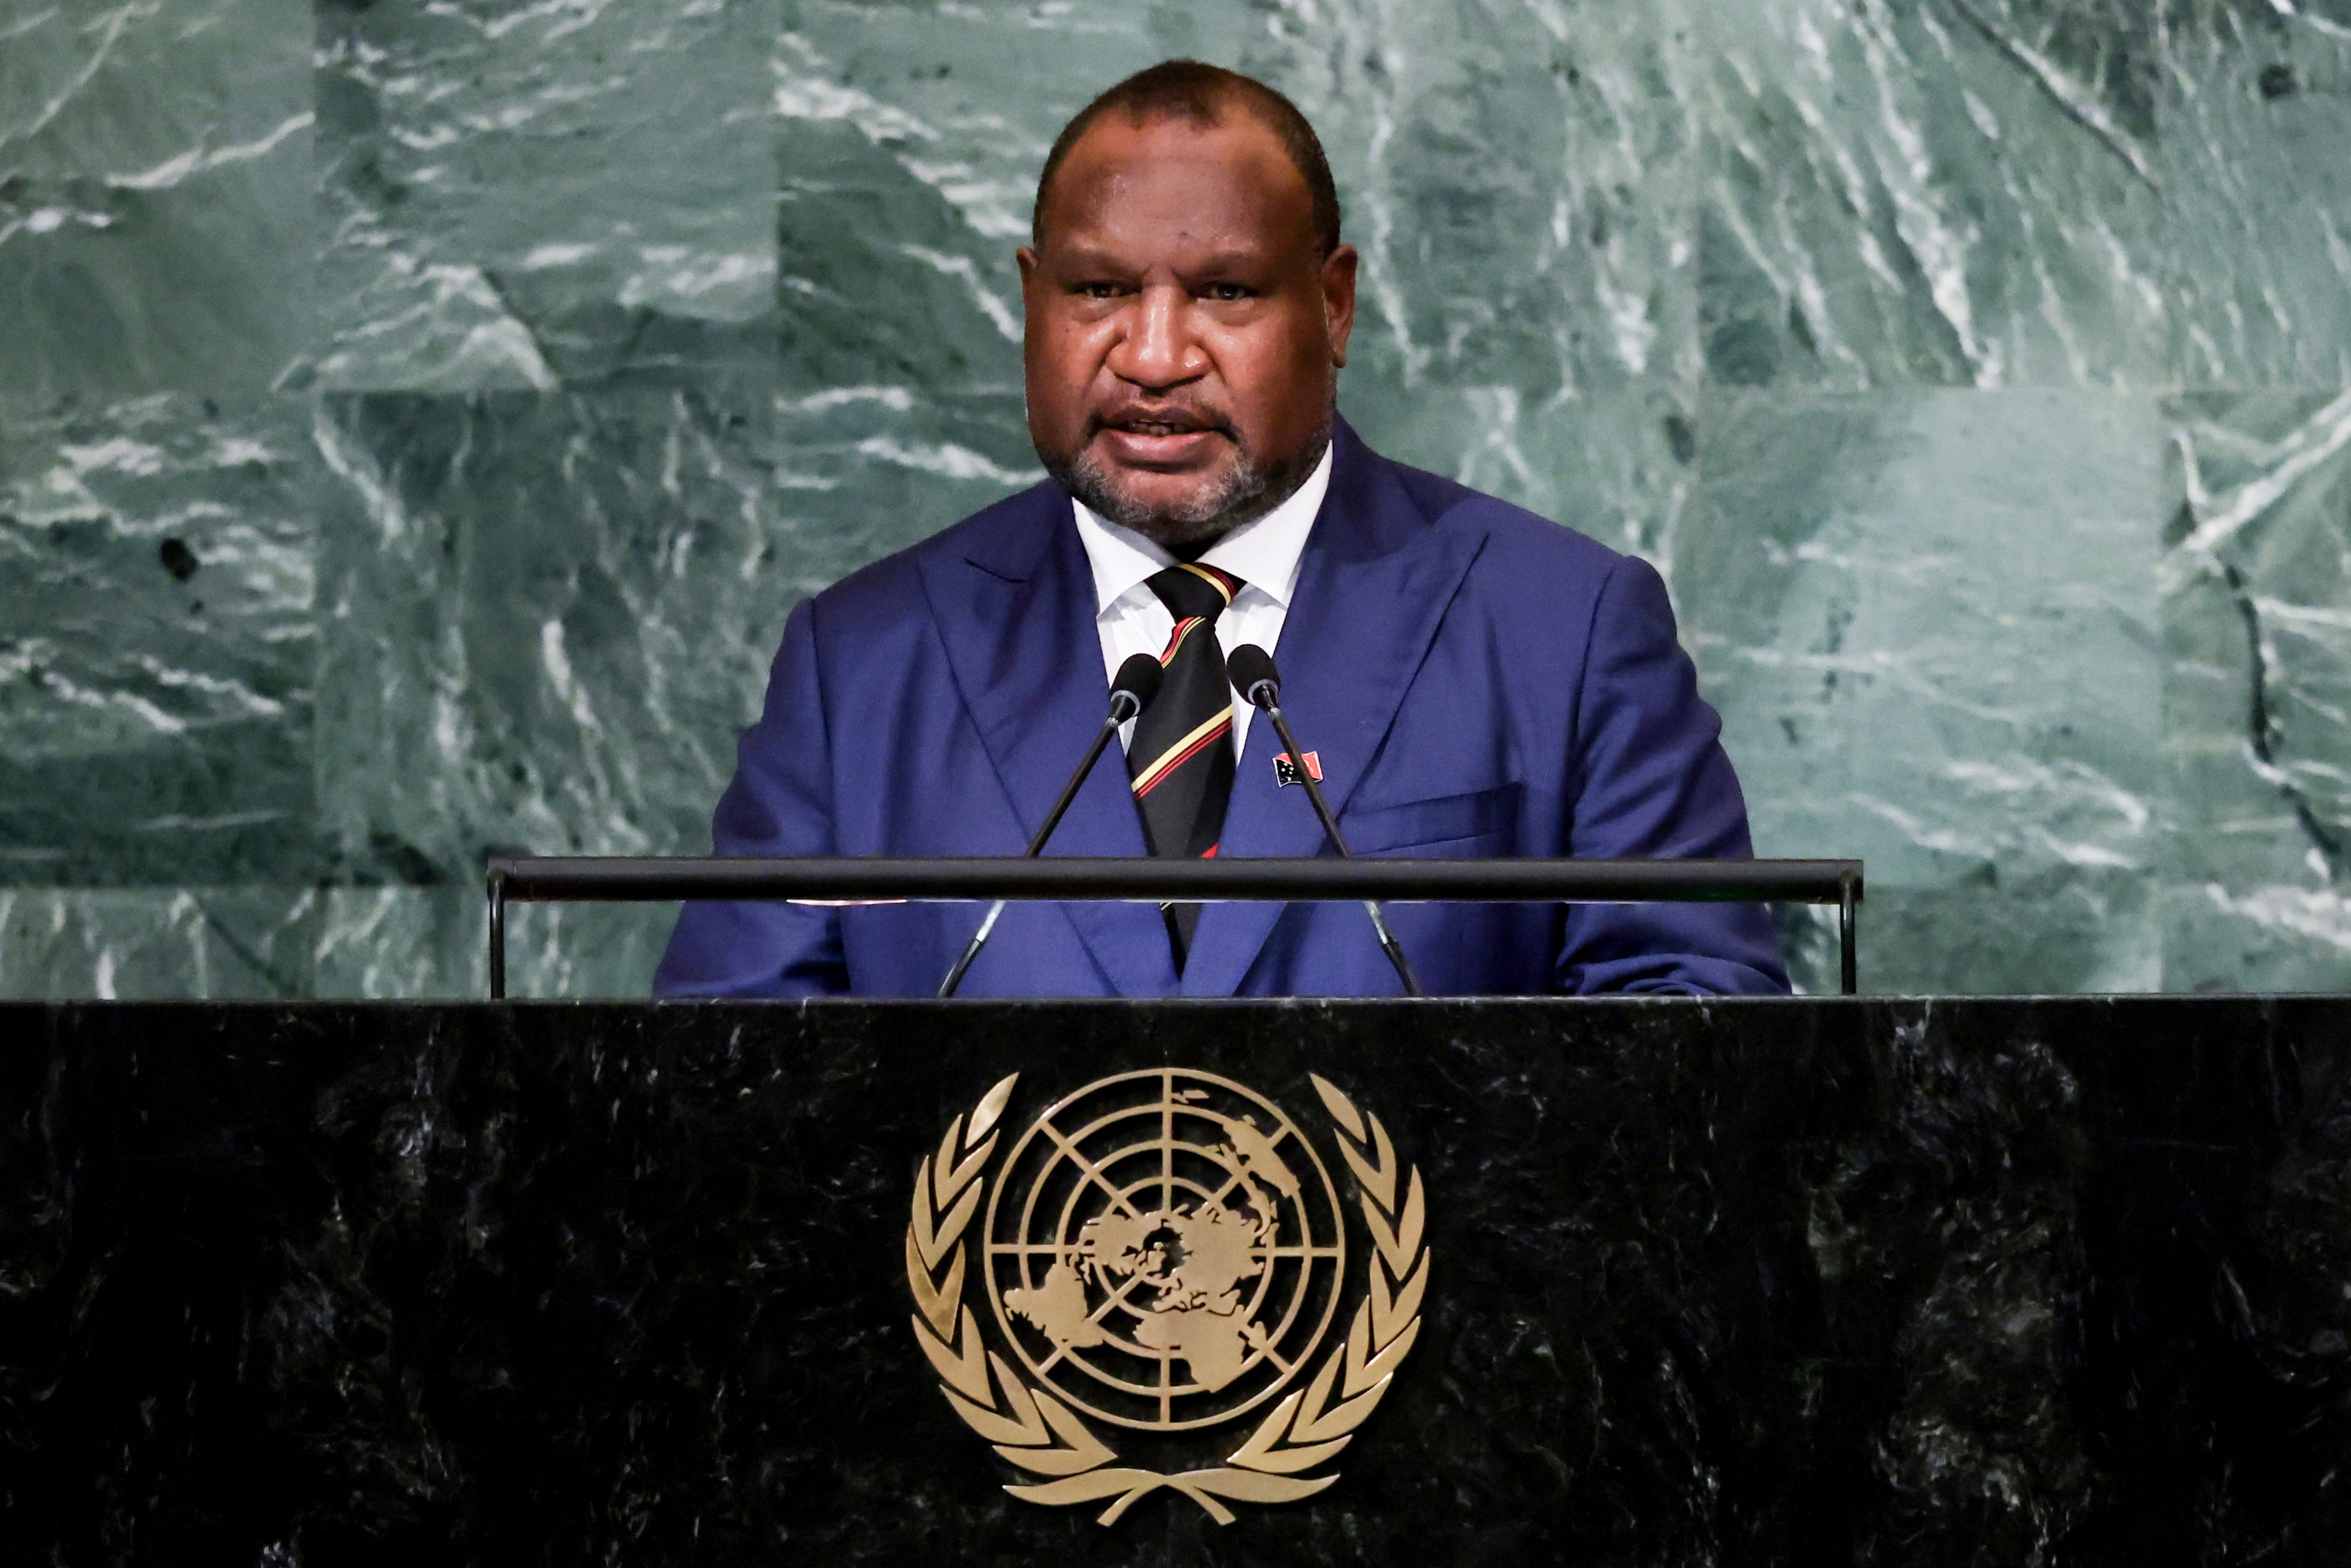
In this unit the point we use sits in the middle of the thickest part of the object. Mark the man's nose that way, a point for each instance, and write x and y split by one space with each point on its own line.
1157 350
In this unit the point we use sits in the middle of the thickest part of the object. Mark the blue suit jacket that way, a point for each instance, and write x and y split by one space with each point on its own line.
1478 682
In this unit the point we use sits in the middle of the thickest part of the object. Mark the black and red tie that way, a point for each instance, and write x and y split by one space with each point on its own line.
1180 758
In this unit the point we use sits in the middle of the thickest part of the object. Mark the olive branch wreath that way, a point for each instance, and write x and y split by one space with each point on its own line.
1031 1428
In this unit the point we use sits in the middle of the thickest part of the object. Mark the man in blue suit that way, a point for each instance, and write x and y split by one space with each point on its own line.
1473 681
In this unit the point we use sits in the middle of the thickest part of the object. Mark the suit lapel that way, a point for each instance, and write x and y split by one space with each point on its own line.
1374 584
1016 610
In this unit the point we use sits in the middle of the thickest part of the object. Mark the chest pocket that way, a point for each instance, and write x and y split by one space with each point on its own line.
1483 822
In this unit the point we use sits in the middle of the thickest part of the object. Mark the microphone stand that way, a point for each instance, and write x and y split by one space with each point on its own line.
1133 689
1264 692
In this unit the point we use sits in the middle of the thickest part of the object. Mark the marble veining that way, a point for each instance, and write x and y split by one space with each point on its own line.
417 419
157 642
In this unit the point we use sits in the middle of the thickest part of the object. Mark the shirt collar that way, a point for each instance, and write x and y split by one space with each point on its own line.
1264 554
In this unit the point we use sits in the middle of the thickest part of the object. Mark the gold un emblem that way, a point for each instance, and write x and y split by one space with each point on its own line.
1163 1252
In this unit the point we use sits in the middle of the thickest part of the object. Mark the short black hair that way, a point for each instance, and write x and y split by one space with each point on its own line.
1198 92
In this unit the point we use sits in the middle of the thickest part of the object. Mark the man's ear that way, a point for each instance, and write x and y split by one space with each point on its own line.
1032 291
1339 300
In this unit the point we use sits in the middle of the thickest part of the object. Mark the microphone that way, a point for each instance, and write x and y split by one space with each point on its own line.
1131 691
1254 676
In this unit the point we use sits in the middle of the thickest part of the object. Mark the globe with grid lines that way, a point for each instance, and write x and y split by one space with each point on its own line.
1165 1249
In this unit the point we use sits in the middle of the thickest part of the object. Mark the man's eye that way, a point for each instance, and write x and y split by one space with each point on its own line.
1227 292
1098 290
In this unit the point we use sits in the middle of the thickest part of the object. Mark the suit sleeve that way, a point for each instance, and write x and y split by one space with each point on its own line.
779 803
1649 779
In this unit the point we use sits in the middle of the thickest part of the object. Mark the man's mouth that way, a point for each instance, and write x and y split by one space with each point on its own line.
1174 438
1160 425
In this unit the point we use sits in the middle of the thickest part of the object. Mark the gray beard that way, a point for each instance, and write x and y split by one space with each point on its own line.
1245 494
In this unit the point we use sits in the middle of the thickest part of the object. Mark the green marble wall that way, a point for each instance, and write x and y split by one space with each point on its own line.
417 419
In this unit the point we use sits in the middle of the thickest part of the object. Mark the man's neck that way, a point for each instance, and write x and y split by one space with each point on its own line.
1192 549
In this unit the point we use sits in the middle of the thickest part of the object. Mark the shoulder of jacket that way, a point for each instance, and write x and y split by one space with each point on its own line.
1015 527
1516 541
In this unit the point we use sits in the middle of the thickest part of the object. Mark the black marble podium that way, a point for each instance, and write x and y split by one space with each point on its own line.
1759 1281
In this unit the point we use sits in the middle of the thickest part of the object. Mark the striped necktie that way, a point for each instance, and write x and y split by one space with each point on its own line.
1180 758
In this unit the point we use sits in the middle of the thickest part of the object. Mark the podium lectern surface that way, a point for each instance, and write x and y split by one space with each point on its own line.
1648 1283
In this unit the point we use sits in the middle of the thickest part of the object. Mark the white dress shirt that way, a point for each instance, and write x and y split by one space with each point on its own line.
1263 554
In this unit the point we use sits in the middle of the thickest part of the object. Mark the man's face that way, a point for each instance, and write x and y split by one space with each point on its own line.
1184 336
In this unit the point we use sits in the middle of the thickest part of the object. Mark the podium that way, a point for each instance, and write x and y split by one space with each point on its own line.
1772 1281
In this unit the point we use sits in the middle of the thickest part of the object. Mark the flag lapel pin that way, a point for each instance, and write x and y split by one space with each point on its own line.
1285 772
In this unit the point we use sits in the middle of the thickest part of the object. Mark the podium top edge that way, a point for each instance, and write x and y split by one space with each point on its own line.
661 879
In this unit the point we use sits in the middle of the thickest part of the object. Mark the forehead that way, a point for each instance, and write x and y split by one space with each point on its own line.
1170 181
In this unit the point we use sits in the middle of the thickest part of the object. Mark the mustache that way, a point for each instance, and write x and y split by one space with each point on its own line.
1159 417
